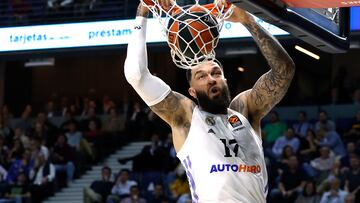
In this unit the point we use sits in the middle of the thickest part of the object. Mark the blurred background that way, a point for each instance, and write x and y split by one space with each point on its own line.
72 129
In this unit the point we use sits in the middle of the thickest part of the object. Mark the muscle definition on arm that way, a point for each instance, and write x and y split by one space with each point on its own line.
272 86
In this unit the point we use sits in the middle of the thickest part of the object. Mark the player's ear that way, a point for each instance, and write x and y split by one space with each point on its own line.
192 92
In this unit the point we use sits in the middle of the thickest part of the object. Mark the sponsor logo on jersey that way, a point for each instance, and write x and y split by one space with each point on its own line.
241 168
211 131
234 121
210 121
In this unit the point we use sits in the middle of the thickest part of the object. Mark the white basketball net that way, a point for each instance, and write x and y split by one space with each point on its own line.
189 57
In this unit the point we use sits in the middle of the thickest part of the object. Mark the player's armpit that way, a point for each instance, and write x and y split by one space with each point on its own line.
175 109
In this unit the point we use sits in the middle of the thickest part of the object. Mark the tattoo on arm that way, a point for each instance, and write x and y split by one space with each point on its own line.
173 109
237 104
272 86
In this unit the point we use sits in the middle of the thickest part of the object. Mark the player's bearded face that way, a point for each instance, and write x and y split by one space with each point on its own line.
217 104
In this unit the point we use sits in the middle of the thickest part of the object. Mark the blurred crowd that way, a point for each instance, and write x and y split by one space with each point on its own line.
43 150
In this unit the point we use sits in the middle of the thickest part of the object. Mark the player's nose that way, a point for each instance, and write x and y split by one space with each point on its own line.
211 79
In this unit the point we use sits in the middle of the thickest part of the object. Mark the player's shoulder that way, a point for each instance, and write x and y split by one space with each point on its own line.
176 109
239 103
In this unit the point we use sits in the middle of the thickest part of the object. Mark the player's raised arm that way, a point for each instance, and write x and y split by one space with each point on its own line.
272 86
170 106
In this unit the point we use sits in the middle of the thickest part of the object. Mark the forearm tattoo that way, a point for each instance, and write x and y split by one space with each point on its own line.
272 86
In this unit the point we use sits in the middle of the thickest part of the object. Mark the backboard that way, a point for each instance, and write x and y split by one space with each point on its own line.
324 28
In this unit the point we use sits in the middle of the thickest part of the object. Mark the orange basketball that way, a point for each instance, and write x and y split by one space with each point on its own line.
193 32
148 2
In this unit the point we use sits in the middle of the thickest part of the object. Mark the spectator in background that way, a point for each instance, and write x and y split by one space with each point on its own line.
5 129
323 164
16 151
274 129
158 195
49 129
134 196
19 191
150 162
136 122
20 135
179 187
350 151
352 178
22 164
353 134
121 188
330 139
25 120
107 104
4 151
73 109
308 195
85 107
3 173
40 132
288 138
3 183
308 147
335 195
93 132
335 172
42 176
69 118
291 183
302 126
63 107
99 189
350 198
90 116
94 136
62 157
284 159
6 113
38 147
324 122
50 110
114 123
73 135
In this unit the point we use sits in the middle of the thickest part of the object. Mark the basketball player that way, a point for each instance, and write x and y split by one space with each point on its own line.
217 140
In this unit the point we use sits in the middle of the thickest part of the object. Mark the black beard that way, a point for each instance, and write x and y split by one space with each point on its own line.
217 105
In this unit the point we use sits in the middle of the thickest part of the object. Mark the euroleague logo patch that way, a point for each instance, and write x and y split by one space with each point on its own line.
234 121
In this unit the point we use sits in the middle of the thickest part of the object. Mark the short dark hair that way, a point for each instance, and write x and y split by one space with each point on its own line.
188 71
124 170
106 168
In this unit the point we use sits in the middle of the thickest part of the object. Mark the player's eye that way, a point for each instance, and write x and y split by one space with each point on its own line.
217 73
202 76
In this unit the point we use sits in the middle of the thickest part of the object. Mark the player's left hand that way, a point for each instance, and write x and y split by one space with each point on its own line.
240 16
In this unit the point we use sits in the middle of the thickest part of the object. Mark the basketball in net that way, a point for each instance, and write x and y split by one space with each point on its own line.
193 33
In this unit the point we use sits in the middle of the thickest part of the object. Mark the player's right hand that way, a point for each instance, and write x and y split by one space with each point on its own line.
142 10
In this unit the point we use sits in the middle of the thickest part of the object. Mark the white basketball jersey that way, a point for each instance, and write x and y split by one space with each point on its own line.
224 159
